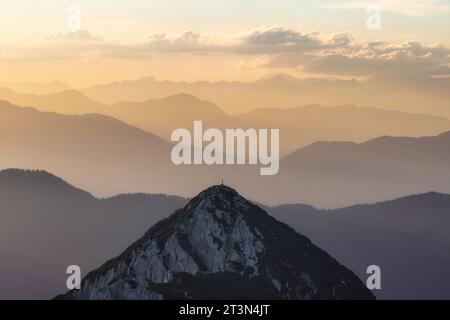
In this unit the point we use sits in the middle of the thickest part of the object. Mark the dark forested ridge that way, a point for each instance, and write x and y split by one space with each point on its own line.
407 237
46 225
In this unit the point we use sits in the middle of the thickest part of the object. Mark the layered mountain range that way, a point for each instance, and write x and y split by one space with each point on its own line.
106 156
114 139
47 224
299 125
279 90
285 91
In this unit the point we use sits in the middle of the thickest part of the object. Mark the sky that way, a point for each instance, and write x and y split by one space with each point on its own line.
217 39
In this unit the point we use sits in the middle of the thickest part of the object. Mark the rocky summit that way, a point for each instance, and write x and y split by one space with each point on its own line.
221 246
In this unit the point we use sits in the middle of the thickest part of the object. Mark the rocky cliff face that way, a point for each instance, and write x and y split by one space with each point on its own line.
221 246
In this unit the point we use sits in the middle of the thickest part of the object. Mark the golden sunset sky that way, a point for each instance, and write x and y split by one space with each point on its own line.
189 40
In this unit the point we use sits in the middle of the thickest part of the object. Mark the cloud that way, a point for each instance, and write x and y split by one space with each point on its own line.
77 36
80 37
407 7
381 57
268 47
270 40
276 40
258 41
181 42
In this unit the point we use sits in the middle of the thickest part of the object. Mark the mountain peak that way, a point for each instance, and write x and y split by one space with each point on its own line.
280 77
182 97
220 237
220 190
218 198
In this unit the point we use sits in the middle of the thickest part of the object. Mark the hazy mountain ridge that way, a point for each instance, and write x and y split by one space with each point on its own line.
106 156
65 102
345 173
36 88
78 146
53 224
163 116
299 126
286 91
302 126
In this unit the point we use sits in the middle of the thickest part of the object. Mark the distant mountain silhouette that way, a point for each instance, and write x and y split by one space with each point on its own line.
285 91
106 156
407 237
280 78
336 174
46 225
36 88
302 126
66 102
165 115
97 152
298 126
